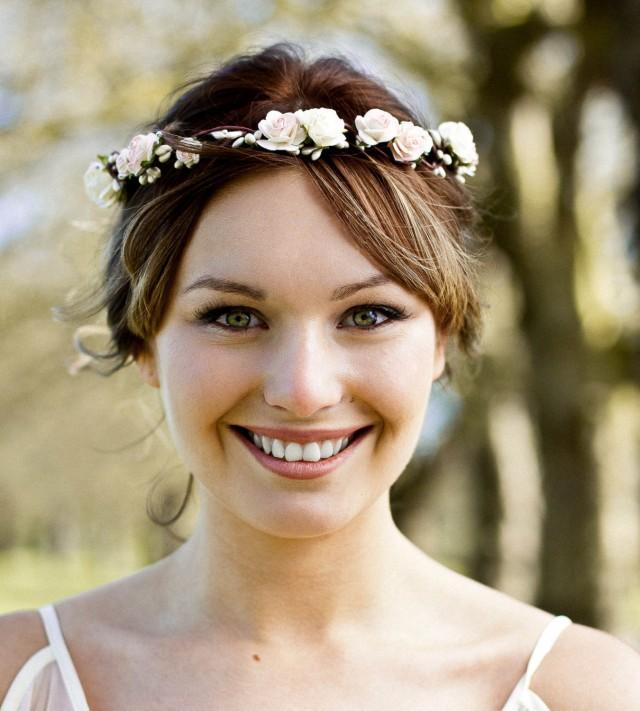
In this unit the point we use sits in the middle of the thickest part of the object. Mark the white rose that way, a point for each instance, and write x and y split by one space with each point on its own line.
376 126
466 170
140 149
410 142
100 186
324 126
283 132
459 138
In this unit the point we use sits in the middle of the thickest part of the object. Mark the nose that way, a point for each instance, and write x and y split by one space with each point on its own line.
302 373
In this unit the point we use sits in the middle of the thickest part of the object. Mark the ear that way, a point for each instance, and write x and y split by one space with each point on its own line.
439 356
146 364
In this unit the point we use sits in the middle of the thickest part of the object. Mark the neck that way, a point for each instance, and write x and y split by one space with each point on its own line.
262 588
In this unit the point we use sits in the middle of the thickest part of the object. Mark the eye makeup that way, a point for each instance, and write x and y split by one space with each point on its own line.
209 314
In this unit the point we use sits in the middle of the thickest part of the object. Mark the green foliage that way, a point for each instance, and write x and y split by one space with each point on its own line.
31 578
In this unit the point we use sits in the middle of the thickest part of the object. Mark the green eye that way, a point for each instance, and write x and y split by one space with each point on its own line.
224 317
365 317
238 319
369 319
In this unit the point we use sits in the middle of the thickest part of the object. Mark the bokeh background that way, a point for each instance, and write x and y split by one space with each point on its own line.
527 477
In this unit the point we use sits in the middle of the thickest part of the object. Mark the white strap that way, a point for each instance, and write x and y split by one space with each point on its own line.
525 700
67 670
547 639
24 678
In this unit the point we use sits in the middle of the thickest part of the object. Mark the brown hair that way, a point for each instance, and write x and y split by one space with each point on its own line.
418 227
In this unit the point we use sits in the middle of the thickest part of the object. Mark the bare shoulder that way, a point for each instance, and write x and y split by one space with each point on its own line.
586 668
121 604
591 670
21 636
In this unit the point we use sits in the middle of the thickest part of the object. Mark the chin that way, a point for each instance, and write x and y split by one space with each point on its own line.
300 521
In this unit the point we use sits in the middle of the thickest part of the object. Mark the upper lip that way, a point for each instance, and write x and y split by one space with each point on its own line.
291 434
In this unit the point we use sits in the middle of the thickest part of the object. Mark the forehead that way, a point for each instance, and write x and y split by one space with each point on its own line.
276 230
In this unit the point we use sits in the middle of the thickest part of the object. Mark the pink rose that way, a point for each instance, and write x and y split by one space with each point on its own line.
140 149
122 163
282 132
376 126
410 142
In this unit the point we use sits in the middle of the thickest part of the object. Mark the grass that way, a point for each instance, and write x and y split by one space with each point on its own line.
31 578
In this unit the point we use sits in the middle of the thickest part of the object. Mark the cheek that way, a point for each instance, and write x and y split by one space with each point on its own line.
397 387
199 383
202 382
401 374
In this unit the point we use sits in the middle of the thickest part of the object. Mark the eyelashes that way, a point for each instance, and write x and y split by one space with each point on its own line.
209 315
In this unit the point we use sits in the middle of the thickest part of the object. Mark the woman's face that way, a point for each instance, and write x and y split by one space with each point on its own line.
299 351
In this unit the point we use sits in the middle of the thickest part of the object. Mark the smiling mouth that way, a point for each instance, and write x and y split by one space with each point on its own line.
354 437
295 468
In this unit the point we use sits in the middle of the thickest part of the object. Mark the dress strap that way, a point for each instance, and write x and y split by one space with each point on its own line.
544 644
61 652
21 684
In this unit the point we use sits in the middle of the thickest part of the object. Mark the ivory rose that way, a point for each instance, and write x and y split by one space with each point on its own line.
459 138
376 126
324 126
100 186
283 132
410 142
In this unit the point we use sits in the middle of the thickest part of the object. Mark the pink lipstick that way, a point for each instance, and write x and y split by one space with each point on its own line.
301 469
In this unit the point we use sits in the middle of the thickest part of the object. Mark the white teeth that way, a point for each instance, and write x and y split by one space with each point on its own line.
277 448
326 449
266 444
311 452
294 451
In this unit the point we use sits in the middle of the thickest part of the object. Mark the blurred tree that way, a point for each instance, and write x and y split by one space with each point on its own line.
541 245
518 73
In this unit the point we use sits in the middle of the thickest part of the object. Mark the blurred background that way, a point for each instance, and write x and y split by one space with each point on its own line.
527 477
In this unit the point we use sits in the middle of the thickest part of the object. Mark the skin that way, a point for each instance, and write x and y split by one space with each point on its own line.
293 594
309 583
328 545
300 594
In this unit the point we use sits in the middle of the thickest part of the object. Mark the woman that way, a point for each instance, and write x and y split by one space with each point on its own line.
291 292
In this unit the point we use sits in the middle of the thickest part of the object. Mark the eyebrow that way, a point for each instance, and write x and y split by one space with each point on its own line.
235 287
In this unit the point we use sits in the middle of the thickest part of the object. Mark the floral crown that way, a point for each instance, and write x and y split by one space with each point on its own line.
449 150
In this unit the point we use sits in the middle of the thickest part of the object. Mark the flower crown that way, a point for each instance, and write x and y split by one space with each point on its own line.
448 150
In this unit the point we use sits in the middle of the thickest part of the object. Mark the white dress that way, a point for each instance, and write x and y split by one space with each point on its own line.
48 681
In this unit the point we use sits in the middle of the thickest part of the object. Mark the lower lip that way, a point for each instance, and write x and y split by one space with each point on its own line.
300 469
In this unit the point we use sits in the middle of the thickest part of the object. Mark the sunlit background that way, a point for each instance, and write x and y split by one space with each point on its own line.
527 477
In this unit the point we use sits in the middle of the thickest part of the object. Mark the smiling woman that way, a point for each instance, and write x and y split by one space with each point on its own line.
311 353
291 296
416 227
